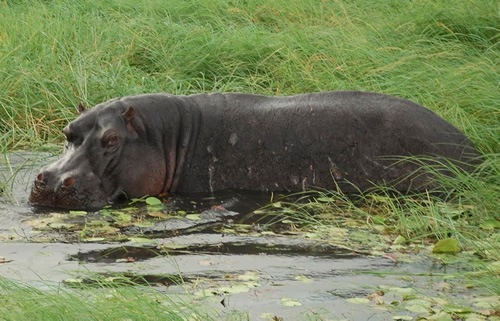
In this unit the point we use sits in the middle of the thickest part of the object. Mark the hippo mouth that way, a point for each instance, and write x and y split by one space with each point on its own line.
62 198
67 196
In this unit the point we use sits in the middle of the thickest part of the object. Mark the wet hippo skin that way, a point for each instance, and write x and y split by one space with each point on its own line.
157 143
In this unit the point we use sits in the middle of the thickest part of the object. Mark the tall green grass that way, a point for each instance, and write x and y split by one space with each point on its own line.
55 54
52 302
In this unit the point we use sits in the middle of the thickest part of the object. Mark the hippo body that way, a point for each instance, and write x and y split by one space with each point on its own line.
157 143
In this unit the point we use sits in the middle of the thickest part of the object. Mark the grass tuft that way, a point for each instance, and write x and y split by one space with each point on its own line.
52 302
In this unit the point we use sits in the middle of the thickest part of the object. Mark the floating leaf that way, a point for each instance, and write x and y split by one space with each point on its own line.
157 214
193 217
491 302
100 231
441 316
153 201
237 288
78 213
358 300
93 239
303 278
458 309
290 302
402 317
249 276
401 290
144 224
475 317
449 246
270 317
417 308
123 217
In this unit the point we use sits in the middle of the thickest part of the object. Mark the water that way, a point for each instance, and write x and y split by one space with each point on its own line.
267 275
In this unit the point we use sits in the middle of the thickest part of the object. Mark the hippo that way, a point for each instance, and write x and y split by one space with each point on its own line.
157 144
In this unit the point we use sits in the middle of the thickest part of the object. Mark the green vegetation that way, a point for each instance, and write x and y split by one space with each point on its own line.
25 302
55 54
441 54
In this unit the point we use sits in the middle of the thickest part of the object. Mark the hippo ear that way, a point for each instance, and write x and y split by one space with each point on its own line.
133 122
81 108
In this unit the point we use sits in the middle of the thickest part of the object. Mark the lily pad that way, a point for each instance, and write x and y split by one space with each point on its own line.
418 307
449 246
138 239
249 276
303 278
490 302
290 302
144 224
93 239
193 217
358 300
237 288
157 214
153 201
441 316
78 213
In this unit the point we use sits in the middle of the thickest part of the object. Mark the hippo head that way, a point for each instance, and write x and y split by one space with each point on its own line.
109 155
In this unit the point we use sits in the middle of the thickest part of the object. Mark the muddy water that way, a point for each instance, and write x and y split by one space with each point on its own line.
268 276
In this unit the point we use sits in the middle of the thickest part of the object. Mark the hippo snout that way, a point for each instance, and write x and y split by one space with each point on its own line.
49 179
67 190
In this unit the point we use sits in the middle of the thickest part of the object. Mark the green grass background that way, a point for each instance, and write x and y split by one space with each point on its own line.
55 54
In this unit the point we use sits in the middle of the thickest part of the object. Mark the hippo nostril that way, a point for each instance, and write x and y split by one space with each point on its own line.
41 178
69 181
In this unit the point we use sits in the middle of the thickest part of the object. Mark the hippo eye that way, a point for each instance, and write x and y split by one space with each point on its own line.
112 140
109 140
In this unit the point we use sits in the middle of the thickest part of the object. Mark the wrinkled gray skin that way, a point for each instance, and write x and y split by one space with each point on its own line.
156 143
